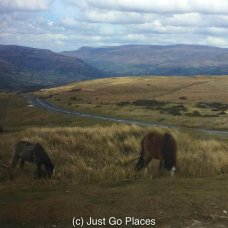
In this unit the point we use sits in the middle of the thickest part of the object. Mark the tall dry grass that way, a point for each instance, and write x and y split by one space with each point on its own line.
100 154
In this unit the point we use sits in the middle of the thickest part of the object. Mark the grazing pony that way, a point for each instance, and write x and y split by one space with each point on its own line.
158 146
30 152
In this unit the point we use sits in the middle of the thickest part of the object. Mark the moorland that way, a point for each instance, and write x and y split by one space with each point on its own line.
95 159
199 101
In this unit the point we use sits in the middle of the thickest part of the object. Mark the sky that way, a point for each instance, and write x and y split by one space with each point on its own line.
70 24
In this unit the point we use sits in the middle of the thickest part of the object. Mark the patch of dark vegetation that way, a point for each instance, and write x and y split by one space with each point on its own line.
175 110
76 90
183 98
215 106
171 110
123 103
198 114
57 99
221 113
211 115
181 108
152 104
75 98
1 129
195 113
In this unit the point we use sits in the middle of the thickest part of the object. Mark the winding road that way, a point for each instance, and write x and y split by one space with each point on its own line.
44 104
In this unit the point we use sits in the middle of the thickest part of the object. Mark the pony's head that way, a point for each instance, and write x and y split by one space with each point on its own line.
50 169
170 162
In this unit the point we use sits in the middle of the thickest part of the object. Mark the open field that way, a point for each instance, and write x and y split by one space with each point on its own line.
186 101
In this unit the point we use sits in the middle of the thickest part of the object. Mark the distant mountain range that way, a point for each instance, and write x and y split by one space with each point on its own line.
27 68
30 68
156 60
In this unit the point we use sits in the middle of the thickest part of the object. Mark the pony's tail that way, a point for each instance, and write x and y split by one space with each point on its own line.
140 164
169 151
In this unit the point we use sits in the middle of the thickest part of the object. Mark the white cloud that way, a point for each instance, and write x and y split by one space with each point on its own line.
217 41
24 5
157 6
117 17
100 22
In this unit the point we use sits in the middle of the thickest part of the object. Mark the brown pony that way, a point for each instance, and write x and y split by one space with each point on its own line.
158 146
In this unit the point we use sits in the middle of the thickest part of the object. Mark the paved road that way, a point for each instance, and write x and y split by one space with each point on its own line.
44 104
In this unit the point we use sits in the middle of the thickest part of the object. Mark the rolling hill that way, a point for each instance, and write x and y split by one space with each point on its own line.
26 68
156 60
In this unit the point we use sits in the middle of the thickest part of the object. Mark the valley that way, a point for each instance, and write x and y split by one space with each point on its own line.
95 159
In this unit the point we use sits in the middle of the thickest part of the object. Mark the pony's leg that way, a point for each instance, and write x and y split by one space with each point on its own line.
15 161
173 171
22 164
145 171
161 164
38 171
146 166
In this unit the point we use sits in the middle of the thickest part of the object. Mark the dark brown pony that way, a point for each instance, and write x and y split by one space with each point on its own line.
35 153
156 145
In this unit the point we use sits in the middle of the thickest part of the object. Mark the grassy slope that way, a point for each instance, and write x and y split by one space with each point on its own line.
16 115
103 96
